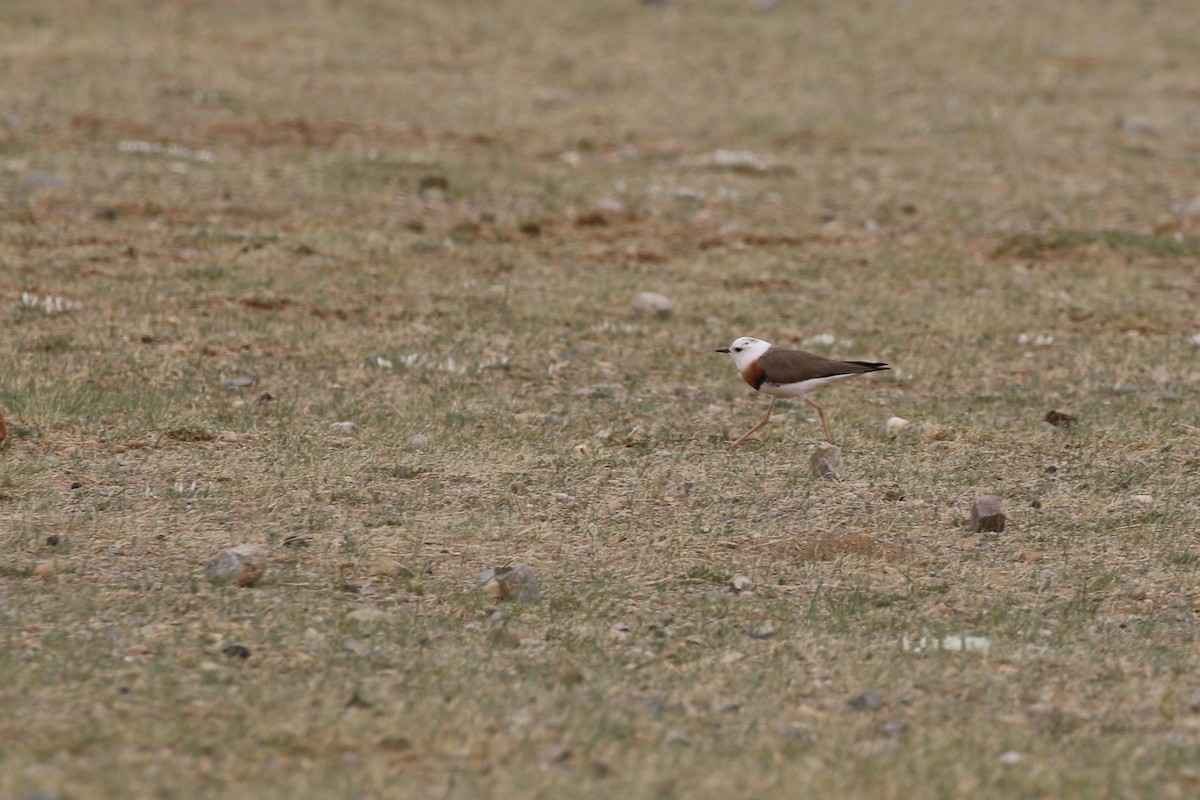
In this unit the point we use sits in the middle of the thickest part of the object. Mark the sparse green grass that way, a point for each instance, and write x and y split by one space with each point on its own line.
430 218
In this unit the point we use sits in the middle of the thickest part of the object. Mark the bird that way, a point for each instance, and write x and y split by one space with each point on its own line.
785 372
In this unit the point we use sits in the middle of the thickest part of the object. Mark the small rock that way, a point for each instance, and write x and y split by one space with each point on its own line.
826 462
596 218
895 424
1011 758
356 646
1139 123
555 754
243 565
823 339
677 737
610 205
368 614
343 427
741 583
432 183
236 651
241 382
870 700
511 583
418 441
566 672
652 304
53 540
43 568
987 514
1059 420
1142 499
764 631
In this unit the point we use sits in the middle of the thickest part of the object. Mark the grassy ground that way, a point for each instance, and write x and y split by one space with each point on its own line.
226 227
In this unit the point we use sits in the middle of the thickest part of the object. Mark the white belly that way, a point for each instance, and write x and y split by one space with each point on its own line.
802 387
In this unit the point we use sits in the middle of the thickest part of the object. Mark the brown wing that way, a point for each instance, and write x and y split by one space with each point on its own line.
781 365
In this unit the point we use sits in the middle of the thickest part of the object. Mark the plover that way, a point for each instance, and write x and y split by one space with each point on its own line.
784 372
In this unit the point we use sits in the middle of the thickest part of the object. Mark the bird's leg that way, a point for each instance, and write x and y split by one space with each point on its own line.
746 435
821 414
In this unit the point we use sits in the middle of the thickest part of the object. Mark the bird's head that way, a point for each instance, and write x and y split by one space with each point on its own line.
746 350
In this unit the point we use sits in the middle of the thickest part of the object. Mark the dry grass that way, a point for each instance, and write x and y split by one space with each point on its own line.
261 219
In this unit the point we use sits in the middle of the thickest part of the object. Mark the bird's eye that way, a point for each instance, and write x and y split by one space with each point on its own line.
737 349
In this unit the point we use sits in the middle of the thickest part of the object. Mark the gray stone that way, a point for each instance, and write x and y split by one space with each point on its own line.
870 700
826 462
987 514
652 304
243 565
741 583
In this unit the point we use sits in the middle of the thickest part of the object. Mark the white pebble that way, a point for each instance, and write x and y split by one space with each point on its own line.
896 424
368 614
343 427
821 338
741 583
652 304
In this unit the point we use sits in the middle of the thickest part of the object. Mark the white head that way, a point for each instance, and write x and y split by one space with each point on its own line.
746 350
